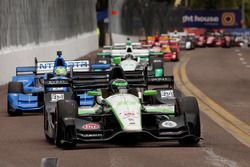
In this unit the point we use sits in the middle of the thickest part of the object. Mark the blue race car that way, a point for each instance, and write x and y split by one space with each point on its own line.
25 93
26 90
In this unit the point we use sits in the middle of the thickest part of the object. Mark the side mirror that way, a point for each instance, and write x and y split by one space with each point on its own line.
94 93
150 92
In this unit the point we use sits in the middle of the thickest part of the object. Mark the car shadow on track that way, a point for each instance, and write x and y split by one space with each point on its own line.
136 145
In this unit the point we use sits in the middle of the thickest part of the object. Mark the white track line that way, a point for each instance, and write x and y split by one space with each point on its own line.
242 59
244 62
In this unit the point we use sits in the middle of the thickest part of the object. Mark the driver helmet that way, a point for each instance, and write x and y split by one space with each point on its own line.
60 71
129 56
119 86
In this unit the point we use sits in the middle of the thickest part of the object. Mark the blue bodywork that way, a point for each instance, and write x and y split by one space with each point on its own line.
28 99
31 99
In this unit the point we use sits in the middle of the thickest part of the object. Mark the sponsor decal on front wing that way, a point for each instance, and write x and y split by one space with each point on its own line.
91 126
169 124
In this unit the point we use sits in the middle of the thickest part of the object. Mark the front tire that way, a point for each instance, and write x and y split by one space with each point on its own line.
189 107
14 87
64 134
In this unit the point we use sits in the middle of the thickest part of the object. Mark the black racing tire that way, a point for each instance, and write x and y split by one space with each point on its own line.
177 93
45 126
65 109
15 113
40 97
189 107
15 87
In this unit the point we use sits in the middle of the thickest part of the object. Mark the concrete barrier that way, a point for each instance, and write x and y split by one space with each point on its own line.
72 48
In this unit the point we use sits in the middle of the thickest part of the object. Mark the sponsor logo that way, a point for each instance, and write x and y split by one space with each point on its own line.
91 135
169 124
75 64
48 65
160 79
228 19
157 61
129 114
58 89
57 82
91 126
196 18
103 61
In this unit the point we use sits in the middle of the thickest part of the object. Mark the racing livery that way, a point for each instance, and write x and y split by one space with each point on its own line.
108 105
134 57
26 90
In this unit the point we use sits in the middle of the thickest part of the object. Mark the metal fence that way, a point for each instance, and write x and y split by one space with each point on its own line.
35 21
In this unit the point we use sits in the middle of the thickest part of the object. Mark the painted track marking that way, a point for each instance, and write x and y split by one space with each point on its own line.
242 59
240 130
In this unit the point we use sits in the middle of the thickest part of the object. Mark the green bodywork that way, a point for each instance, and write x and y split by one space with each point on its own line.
94 93
156 53
150 92
88 110
143 59
120 83
103 54
160 109
159 72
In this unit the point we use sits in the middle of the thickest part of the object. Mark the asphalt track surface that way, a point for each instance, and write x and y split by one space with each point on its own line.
217 72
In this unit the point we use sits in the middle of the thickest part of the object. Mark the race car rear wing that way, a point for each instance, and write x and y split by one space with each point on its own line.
28 71
136 52
83 81
25 70
44 67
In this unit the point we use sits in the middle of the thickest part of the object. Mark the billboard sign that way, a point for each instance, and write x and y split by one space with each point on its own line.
212 19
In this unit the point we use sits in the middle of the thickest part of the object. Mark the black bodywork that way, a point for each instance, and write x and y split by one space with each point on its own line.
102 125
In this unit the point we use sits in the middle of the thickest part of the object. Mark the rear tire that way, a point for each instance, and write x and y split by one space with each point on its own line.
189 107
13 113
14 87
65 109
178 93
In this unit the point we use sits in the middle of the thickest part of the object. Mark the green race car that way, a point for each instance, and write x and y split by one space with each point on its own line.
111 105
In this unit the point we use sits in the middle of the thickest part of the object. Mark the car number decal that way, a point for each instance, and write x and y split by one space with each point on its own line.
167 94
57 97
